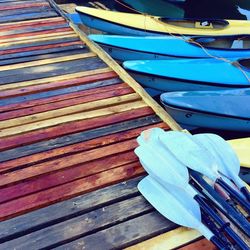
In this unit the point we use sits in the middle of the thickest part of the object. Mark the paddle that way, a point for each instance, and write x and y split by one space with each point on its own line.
200 159
164 168
176 211
230 166
233 215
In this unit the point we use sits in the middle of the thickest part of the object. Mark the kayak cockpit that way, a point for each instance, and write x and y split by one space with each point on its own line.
196 23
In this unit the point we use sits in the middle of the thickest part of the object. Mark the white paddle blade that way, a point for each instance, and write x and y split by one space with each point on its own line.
176 205
230 165
161 167
190 153
149 135
150 139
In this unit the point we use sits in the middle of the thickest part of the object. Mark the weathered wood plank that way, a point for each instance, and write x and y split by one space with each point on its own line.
29 16
31 29
102 108
31 23
62 79
39 45
73 56
124 234
89 103
78 97
83 224
200 244
22 5
101 128
67 175
69 190
28 10
65 162
33 58
68 209
46 49
56 69
74 127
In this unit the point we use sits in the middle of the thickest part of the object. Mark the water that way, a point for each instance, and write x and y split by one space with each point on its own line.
219 9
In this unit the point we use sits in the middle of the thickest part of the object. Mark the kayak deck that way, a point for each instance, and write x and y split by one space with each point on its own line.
68 123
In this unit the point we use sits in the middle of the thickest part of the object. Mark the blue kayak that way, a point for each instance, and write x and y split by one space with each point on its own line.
190 74
124 48
221 109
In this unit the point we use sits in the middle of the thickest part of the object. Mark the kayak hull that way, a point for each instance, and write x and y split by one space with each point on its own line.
112 28
210 109
166 85
203 120
124 48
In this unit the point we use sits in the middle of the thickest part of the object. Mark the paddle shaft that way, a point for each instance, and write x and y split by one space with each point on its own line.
236 218
245 191
244 203
223 226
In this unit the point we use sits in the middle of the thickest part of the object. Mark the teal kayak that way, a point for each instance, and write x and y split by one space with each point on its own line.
190 74
221 109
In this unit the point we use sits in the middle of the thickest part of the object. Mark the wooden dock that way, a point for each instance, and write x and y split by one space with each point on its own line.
69 116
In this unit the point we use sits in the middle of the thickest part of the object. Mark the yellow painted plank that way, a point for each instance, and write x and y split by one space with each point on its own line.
170 240
54 79
13 40
127 78
55 37
121 107
53 19
47 61
68 110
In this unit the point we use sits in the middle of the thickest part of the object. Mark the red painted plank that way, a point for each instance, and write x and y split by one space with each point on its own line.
54 85
65 162
23 5
72 127
75 148
36 23
41 47
120 90
69 190
201 244
37 33
66 176
66 103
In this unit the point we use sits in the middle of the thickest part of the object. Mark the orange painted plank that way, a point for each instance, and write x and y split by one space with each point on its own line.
72 127
23 5
21 25
66 175
65 162
57 85
41 47
72 189
203 244
33 34
67 103
52 86
75 148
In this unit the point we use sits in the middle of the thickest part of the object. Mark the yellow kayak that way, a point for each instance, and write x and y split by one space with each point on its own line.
137 24
242 148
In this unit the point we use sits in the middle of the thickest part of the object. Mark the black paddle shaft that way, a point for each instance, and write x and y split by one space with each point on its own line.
244 203
239 220
222 224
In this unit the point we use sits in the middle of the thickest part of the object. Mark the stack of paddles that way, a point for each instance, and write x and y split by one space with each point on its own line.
193 181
